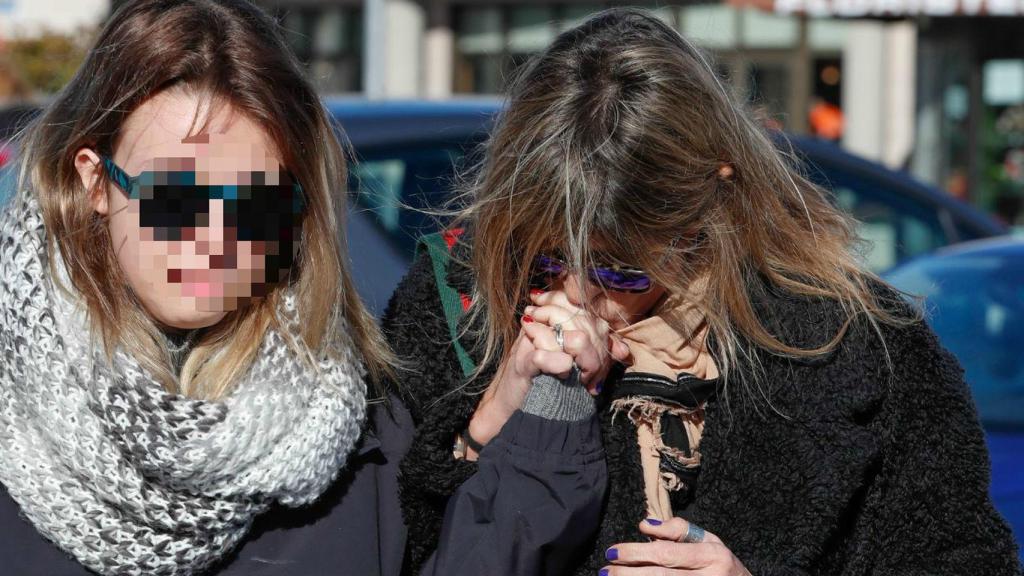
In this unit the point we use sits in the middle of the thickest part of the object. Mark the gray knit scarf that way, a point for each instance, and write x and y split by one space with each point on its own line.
128 478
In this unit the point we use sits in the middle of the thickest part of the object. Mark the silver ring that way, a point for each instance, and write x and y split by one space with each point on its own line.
559 336
694 534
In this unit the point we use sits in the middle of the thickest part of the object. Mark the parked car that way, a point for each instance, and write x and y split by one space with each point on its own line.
974 300
407 153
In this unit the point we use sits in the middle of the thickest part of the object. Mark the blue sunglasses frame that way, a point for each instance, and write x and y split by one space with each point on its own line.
133 185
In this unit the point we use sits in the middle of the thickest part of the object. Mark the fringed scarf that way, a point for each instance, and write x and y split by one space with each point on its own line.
663 392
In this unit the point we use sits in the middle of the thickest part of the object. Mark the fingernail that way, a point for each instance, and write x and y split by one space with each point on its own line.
603 572
528 319
536 292
654 522
599 387
611 554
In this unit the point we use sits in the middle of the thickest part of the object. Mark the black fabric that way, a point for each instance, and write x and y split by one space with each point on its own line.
831 465
538 488
440 403
687 391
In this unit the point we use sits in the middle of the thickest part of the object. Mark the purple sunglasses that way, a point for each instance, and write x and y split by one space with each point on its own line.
616 278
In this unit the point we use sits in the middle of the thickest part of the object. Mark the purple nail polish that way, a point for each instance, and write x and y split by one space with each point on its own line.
599 387
611 554
654 522
603 572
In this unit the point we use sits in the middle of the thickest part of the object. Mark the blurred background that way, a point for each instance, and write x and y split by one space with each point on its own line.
935 87
911 112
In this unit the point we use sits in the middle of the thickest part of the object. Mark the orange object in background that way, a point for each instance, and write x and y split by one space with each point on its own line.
826 120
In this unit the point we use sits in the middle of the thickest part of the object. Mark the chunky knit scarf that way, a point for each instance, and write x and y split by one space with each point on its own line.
128 478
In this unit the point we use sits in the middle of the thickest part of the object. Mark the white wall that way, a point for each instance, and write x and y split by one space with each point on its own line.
879 77
31 16
394 48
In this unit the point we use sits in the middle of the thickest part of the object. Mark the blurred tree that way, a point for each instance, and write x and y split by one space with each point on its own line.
42 63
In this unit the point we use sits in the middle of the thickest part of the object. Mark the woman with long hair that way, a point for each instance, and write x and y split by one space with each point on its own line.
189 383
182 347
767 405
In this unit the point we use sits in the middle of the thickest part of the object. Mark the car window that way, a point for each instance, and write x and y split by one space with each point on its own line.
401 185
976 306
896 226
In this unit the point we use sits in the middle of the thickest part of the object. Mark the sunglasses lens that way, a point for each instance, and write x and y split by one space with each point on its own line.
619 280
548 265
171 201
170 207
264 213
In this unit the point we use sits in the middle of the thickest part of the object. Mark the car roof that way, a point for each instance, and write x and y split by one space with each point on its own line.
379 123
822 153
998 246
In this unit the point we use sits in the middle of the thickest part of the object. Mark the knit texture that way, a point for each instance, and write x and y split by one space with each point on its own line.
127 478
828 466
566 400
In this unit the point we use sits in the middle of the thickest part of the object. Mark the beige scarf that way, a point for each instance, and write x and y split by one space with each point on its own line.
661 345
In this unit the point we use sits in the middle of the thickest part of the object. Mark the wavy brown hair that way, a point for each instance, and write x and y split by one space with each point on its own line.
234 54
621 136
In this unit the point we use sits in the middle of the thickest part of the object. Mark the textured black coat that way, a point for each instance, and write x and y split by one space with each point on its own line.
829 466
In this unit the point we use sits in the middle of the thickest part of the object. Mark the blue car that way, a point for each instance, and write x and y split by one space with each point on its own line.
974 300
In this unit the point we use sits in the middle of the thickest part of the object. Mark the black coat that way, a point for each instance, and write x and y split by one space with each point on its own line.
828 466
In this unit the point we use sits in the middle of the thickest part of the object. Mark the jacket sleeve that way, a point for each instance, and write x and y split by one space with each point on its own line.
934 515
537 488
534 501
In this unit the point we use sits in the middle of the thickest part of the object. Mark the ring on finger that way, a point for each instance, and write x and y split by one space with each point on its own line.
694 534
559 336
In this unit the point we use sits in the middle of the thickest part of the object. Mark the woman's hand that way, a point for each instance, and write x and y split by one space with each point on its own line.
667 555
536 351
588 339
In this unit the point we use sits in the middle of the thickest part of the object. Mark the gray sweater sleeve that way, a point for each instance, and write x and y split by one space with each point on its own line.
554 399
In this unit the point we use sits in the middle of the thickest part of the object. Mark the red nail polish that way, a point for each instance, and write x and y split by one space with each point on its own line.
528 319
536 292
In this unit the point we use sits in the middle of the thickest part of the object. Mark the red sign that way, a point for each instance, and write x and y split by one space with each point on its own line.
879 8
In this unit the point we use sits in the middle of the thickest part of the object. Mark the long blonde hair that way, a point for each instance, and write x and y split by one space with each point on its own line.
621 133
233 53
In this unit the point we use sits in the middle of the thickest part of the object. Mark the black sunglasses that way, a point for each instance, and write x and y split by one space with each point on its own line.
170 201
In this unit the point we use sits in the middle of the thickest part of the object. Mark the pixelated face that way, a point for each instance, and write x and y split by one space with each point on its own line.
200 224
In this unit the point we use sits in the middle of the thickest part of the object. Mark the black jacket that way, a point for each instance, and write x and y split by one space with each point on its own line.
535 494
828 466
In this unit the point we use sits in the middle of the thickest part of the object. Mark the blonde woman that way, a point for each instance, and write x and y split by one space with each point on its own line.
183 359
767 406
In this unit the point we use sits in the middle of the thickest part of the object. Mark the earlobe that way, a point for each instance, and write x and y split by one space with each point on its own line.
90 172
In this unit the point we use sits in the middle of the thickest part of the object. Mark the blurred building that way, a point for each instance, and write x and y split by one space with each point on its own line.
933 86
968 75
804 74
